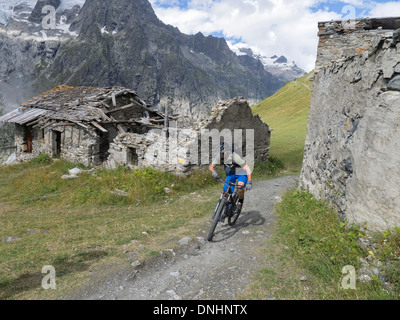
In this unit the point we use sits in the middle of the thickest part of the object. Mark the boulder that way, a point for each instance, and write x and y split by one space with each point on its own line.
394 84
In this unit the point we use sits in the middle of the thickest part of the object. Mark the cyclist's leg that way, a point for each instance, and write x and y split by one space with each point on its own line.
242 181
231 179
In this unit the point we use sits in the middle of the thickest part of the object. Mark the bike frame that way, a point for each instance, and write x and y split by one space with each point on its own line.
226 203
229 196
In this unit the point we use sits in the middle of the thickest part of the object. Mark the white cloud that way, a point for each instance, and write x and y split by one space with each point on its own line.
388 9
276 27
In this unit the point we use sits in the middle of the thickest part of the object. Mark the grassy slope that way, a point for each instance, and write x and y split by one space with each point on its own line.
287 113
78 225
311 241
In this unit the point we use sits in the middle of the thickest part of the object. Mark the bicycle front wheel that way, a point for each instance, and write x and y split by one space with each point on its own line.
216 219
235 215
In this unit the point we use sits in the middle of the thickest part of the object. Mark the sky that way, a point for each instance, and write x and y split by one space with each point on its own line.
270 27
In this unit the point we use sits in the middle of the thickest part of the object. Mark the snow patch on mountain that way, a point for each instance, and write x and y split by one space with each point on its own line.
69 4
278 66
63 26
8 10
14 15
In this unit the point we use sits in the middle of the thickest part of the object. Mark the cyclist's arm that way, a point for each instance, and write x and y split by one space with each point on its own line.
212 168
249 172
240 161
214 163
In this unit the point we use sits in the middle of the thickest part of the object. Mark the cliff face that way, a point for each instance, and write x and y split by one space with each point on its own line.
22 60
352 151
124 43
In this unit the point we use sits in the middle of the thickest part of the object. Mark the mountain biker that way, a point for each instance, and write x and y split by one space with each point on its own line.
236 170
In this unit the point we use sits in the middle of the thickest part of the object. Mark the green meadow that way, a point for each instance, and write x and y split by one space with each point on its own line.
286 112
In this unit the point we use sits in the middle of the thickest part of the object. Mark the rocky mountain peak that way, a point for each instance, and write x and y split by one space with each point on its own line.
279 67
114 15
281 59
123 43
37 15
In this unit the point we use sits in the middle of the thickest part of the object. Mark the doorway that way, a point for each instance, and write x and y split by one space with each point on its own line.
29 140
133 157
104 147
56 144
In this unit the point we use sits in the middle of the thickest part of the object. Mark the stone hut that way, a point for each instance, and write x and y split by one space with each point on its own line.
79 123
352 150
185 146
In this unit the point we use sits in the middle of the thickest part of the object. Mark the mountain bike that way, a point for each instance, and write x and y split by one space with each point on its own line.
226 208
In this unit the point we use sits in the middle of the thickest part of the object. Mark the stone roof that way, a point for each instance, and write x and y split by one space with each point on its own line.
65 96
93 105
78 103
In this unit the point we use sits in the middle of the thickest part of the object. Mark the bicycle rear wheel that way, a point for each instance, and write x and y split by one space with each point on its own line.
216 219
232 220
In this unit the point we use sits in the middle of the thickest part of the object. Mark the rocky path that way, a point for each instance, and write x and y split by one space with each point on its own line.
204 270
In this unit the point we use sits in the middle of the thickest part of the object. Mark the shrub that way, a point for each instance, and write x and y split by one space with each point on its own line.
42 159
264 169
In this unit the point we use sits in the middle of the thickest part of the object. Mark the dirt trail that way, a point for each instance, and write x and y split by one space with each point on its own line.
201 270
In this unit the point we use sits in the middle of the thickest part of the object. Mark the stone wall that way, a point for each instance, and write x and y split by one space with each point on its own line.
153 150
21 146
236 114
80 145
341 40
77 144
352 151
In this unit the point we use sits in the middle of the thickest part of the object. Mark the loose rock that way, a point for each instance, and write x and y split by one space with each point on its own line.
184 241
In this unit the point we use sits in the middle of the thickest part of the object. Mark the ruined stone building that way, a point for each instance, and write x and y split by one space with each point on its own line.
190 146
113 127
79 123
352 151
